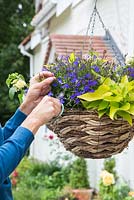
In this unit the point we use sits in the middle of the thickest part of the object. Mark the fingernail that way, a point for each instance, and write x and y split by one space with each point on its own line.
52 78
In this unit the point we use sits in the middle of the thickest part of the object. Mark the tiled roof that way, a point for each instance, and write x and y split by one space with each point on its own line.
65 44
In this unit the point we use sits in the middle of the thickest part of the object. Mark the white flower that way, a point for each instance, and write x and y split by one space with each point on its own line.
107 178
129 60
20 84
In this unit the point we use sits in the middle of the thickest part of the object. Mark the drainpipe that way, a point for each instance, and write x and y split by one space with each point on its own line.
26 53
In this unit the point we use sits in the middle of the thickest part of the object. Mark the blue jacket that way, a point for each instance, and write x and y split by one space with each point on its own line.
14 141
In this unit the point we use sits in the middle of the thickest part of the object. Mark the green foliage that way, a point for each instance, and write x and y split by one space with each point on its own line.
109 165
114 192
113 99
77 75
40 181
16 84
12 32
78 175
129 198
117 191
45 181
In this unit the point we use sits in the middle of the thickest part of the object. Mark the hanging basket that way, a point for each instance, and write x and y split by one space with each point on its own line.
82 132
85 135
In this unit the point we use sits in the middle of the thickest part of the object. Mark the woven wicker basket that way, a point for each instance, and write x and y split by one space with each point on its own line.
85 135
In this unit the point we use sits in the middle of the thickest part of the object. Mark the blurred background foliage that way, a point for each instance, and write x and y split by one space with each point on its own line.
15 18
48 181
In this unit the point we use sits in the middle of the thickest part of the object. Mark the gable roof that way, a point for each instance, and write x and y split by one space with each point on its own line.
66 44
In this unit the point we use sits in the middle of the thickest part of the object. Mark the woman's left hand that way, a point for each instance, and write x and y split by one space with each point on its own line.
40 85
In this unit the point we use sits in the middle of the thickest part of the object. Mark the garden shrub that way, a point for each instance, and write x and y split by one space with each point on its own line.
79 176
40 181
110 187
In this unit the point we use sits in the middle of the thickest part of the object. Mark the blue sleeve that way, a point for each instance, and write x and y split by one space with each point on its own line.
13 150
13 123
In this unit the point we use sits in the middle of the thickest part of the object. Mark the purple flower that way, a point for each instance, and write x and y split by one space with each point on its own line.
87 76
72 96
55 84
50 94
78 84
59 80
78 77
92 82
62 100
94 57
76 63
131 72
66 86
77 101
44 69
96 68
74 80
25 91
86 88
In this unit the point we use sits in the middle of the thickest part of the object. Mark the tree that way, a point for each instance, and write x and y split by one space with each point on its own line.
15 21
79 175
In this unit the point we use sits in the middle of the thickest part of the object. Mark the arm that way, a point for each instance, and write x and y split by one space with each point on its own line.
12 151
35 94
14 148
13 123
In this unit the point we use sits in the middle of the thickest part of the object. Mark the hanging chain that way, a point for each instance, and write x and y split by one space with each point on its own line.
92 21
92 31
102 23
88 28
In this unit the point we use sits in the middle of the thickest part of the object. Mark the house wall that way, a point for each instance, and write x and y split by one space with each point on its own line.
115 15
118 17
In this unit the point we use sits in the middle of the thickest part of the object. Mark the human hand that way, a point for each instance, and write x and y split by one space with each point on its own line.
47 109
39 87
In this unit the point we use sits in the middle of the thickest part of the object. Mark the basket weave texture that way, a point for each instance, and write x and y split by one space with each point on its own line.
85 135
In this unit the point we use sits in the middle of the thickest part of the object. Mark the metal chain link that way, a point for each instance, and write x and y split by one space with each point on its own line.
92 22
92 30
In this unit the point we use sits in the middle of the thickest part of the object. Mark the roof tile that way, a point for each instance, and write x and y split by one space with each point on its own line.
65 44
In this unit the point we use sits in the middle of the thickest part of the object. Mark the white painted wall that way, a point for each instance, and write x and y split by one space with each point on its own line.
118 17
39 55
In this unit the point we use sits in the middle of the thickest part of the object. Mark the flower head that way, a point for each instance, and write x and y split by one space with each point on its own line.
20 84
107 178
131 193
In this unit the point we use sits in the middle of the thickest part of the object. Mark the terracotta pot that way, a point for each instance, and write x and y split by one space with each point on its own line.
83 194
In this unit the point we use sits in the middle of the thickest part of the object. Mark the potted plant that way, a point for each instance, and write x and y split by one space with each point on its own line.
99 104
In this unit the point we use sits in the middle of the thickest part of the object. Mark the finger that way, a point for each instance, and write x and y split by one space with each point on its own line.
46 74
41 76
57 106
45 90
47 81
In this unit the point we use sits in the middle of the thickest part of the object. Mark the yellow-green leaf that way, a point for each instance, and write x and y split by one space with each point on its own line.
113 98
100 93
131 110
126 116
103 105
113 111
125 107
101 113
72 58
124 79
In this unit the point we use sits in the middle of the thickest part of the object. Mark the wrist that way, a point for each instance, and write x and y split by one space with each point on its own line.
26 107
32 124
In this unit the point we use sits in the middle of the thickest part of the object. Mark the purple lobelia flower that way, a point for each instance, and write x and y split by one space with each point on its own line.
77 75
